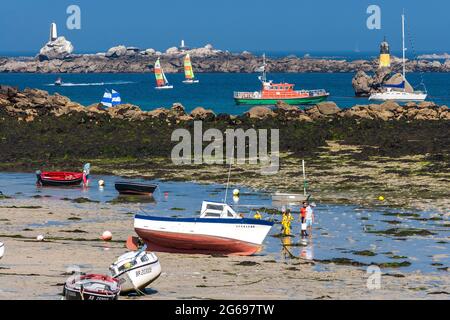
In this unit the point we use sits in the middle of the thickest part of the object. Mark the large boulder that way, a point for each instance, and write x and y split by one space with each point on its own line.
364 85
116 52
178 109
126 111
328 108
201 113
260 113
56 49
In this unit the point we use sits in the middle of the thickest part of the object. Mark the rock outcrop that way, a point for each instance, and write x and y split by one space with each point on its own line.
60 48
30 104
122 59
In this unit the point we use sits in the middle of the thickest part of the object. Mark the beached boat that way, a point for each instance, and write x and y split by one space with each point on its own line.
219 229
136 270
47 178
2 250
273 92
161 80
397 92
135 188
188 71
111 98
91 287
62 178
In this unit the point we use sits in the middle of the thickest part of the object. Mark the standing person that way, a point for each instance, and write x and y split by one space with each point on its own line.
309 219
286 222
301 219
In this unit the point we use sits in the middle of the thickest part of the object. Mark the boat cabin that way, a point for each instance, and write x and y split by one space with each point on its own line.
217 210
273 87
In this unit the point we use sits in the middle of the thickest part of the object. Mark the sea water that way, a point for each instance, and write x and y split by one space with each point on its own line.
214 91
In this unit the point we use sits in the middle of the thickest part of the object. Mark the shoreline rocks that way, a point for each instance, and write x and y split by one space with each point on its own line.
29 104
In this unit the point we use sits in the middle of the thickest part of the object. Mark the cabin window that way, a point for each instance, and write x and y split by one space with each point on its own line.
212 215
214 207
144 258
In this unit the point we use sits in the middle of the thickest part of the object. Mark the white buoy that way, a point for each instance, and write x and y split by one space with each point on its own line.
107 236
101 183
236 192
40 237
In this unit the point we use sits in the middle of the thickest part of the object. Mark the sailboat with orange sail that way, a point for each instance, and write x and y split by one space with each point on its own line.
188 71
161 80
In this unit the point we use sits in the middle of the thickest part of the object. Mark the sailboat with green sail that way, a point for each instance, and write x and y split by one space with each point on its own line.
161 80
188 71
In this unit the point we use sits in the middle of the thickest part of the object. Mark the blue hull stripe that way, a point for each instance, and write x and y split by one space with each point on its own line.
206 220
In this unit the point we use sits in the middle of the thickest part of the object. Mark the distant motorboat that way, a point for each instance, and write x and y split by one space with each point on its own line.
219 229
2 250
58 82
91 287
135 188
161 79
397 92
188 71
136 270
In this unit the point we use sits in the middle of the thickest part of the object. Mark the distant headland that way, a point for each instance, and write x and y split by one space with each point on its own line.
58 56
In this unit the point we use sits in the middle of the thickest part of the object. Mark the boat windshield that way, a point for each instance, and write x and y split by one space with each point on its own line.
217 210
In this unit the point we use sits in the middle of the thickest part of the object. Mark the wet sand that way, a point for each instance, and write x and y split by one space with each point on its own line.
37 270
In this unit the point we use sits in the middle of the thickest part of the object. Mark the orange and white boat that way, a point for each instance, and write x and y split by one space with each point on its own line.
271 93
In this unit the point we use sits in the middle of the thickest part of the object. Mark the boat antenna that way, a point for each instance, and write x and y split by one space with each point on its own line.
229 175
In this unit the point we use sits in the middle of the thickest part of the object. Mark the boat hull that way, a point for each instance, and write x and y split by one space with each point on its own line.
398 96
91 287
60 179
173 242
292 101
2 250
190 81
139 277
130 188
164 87
202 235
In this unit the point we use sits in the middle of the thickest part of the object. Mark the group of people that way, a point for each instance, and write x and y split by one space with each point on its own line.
306 217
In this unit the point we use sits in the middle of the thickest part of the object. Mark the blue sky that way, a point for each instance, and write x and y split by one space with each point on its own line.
254 25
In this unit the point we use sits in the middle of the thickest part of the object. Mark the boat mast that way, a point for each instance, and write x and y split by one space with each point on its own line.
263 76
404 50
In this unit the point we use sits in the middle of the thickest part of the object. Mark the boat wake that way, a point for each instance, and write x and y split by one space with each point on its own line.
70 84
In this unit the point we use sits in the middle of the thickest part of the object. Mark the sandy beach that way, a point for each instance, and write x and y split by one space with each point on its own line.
37 270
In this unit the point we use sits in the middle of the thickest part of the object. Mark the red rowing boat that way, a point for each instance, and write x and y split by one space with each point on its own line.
59 178
62 178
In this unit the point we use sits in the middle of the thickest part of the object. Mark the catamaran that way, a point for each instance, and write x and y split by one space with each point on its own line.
188 71
398 92
161 80
273 92
111 99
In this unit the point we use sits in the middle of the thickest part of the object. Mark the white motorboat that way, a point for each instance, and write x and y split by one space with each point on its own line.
136 270
219 229
398 92
2 250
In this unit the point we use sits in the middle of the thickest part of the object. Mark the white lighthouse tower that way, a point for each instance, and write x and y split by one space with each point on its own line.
53 32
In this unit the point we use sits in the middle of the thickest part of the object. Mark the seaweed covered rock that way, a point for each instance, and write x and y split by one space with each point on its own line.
260 113
201 113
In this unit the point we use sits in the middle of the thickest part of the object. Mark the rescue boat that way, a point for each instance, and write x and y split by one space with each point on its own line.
271 93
